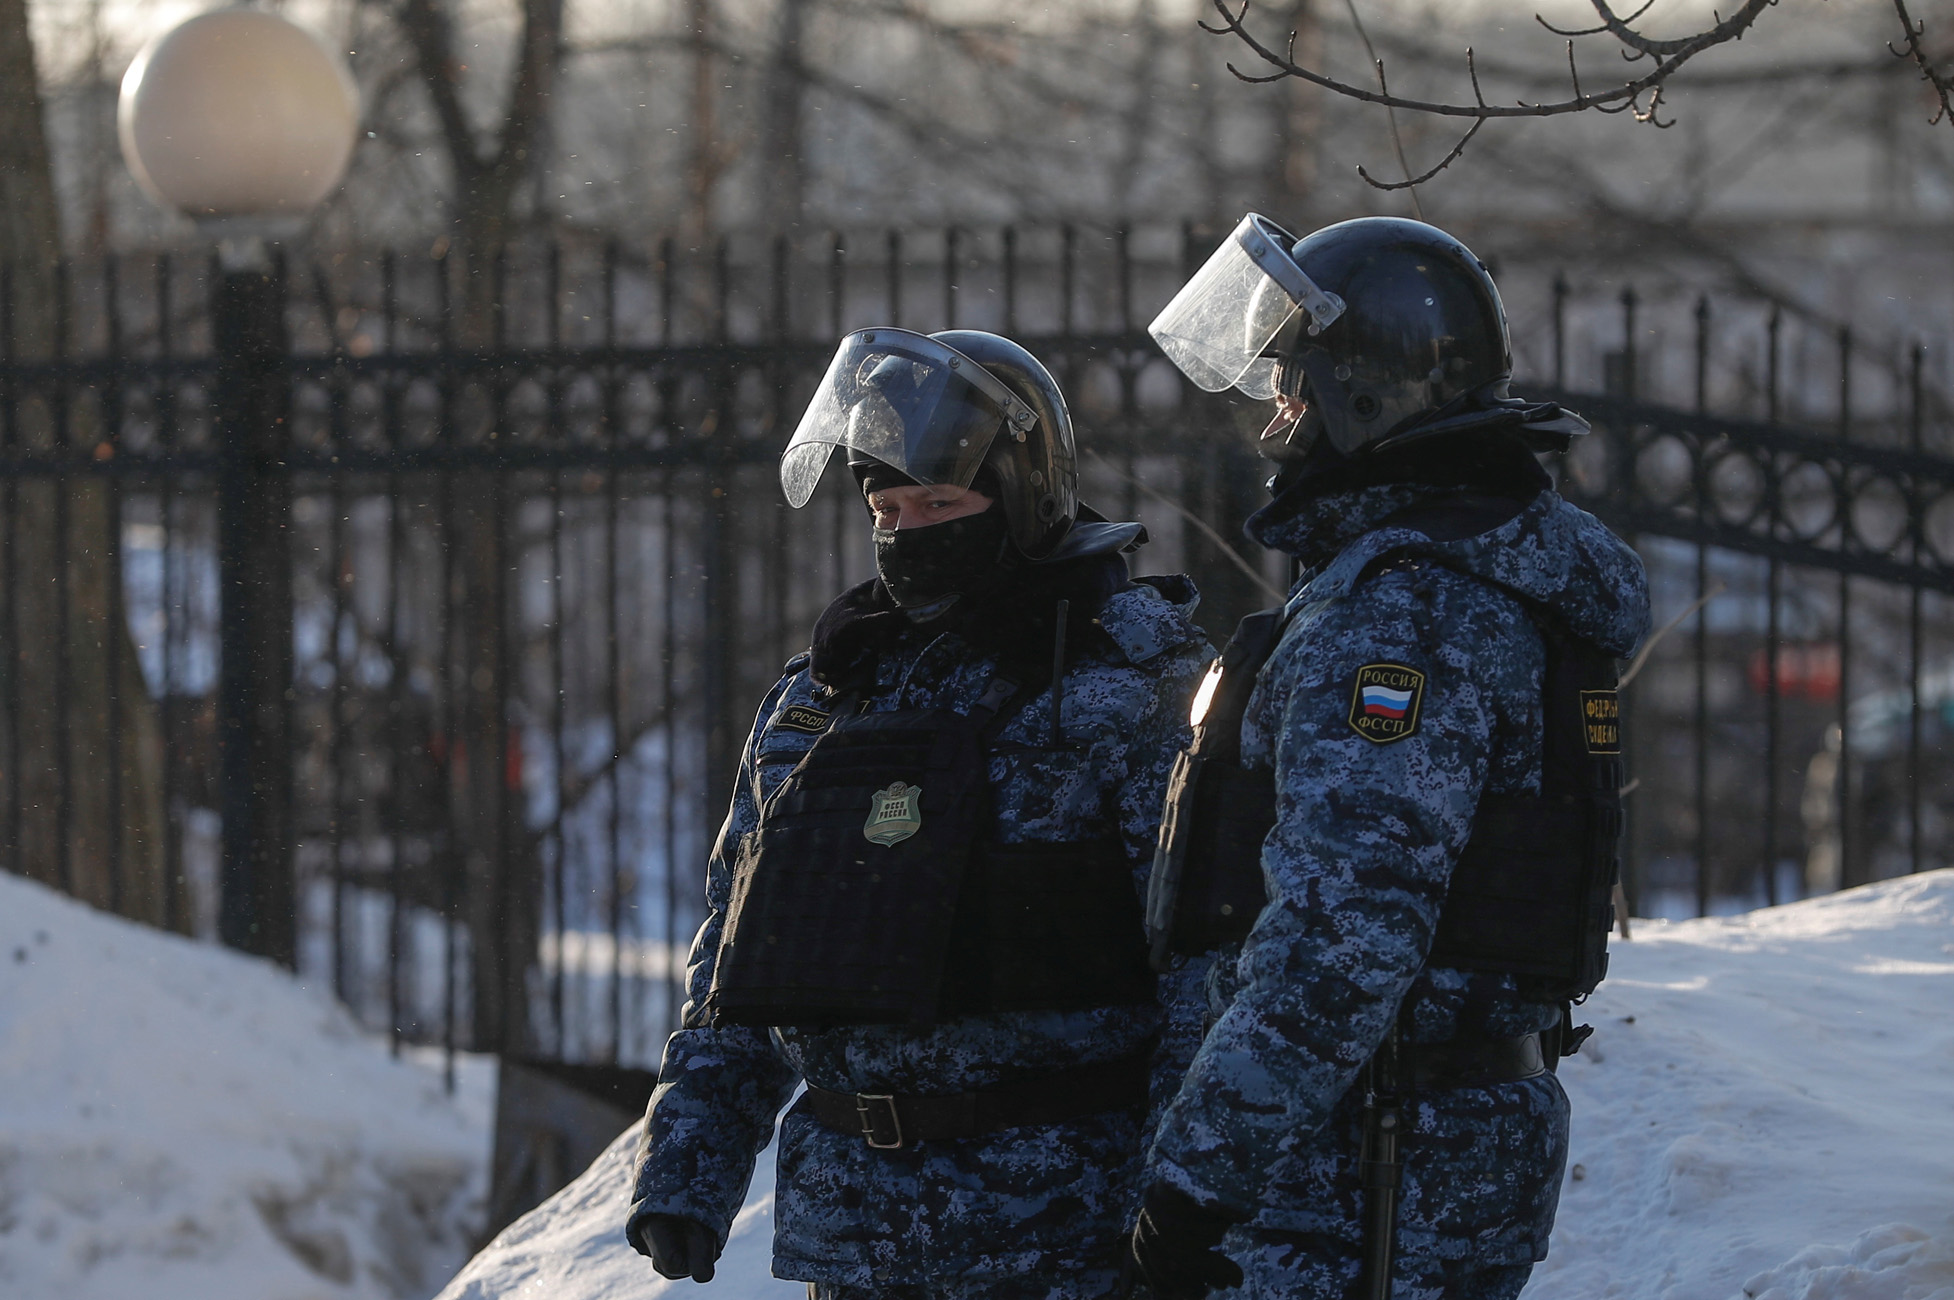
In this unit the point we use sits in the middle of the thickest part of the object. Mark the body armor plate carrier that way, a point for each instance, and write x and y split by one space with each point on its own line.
927 917
1531 894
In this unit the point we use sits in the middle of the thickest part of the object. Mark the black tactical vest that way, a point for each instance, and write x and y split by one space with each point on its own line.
1532 892
871 892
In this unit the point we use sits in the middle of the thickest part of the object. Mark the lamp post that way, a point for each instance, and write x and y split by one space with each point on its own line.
243 122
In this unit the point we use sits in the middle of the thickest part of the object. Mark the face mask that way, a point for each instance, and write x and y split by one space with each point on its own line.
962 557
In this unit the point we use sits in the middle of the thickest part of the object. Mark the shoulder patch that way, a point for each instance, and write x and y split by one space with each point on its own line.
1601 719
1384 702
802 717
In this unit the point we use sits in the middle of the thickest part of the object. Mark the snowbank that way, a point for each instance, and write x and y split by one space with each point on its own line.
572 1247
178 1122
1767 1107
1764 1111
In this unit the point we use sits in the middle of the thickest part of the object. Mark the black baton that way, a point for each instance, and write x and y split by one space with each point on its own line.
1380 1168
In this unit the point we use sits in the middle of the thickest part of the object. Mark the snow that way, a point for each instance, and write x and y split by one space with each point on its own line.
1763 1112
573 1248
1764 1108
179 1122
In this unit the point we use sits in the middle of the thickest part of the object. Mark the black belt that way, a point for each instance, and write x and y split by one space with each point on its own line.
888 1122
1471 1062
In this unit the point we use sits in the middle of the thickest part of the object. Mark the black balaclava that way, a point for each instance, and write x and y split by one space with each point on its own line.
940 563
990 595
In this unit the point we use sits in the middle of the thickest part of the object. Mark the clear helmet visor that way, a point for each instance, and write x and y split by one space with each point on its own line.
908 401
1219 327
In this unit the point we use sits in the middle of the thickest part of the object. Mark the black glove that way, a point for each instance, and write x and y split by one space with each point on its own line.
678 1247
1174 1246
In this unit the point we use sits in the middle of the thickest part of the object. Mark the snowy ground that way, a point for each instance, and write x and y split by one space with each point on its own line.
178 1122
572 1247
1766 1110
1767 1107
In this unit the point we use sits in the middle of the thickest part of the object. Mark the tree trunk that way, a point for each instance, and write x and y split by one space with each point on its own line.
499 867
1292 197
704 161
30 234
91 818
1137 130
783 178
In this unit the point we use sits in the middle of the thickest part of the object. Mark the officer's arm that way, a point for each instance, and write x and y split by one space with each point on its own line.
718 1089
1371 815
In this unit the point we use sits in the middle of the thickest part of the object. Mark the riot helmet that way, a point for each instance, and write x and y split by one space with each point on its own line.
937 408
1415 344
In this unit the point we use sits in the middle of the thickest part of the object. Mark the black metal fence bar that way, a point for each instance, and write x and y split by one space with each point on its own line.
10 574
64 789
1772 595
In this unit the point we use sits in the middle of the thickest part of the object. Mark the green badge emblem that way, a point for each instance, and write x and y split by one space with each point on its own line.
894 814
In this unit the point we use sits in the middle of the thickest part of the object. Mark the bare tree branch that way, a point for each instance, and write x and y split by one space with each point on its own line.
1592 31
1640 97
1408 47
1942 82
1619 29
1411 181
1676 54
1391 115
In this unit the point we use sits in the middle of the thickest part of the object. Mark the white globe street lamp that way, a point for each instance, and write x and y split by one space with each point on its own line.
243 122
239 118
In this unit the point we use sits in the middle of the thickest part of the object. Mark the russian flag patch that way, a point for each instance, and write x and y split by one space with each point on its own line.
1384 702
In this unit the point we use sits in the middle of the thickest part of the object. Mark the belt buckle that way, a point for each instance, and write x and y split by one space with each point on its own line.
865 1109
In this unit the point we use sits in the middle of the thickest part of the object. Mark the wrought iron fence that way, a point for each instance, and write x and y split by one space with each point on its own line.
416 650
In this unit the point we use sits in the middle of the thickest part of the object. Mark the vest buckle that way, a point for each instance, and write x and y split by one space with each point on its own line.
871 1107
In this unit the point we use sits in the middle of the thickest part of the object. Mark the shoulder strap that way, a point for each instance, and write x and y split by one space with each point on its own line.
1000 701
1219 734
1015 683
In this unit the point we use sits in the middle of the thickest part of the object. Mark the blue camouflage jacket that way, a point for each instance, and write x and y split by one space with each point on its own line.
1267 1123
1034 1200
